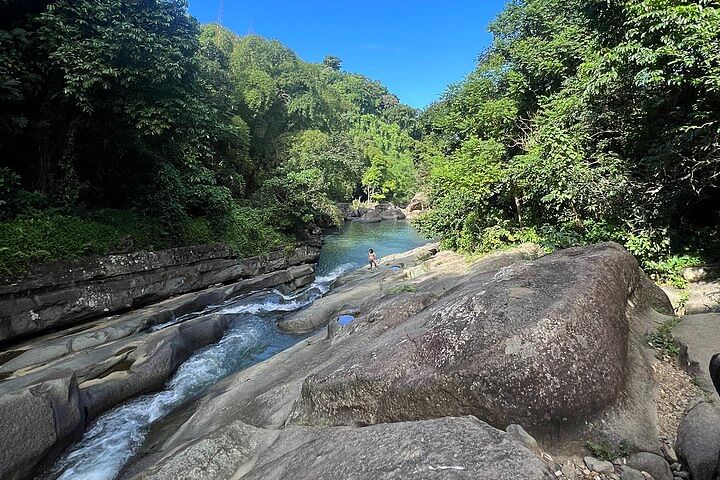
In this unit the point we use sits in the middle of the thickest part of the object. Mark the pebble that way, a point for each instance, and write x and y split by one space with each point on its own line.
600 466
569 470
683 475
631 474
669 453
676 467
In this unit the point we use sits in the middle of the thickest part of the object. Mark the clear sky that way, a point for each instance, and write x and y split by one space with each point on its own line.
416 48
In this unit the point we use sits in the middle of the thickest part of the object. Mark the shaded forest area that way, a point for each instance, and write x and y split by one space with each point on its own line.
127 125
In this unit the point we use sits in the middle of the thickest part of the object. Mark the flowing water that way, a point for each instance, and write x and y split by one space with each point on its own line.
251 338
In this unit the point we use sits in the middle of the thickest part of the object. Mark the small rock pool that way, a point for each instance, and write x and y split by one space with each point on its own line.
349 245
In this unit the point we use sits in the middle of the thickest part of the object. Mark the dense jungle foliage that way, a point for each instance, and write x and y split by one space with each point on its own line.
127 125
585 121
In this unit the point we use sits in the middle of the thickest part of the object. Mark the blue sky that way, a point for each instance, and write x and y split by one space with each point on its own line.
416 48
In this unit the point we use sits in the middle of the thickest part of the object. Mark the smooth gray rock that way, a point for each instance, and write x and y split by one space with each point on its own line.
392 214
221 454
669 454
372 216
599 466
152 363
69 292
62 348
698 337
37 422
629 473
653 464
462 448
518 433
698 440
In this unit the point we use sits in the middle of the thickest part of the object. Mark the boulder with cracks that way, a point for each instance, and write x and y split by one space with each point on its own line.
543 344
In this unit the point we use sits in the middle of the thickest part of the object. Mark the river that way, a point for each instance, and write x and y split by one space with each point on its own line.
114 437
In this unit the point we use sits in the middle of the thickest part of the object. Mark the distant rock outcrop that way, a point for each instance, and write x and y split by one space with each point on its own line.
372 216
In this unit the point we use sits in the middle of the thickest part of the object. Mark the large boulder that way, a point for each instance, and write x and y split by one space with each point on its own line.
698 440
392 214
653 464
543 344
372 216
37 422
462 448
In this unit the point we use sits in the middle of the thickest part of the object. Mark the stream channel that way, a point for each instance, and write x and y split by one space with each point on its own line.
114 437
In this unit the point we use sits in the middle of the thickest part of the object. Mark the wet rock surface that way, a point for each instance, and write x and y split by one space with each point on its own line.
37 421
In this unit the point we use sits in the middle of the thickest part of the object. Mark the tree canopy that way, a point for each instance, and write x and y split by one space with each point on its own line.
135 107
585 120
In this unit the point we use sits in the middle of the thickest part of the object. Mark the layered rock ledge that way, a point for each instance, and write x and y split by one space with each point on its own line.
66 293
53 385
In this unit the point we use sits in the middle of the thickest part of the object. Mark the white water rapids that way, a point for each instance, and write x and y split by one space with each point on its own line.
251 338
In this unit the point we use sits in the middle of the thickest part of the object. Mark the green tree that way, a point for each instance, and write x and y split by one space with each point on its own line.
388 151
608 114
332 62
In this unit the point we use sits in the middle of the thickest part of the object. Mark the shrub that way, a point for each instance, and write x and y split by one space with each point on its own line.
54 235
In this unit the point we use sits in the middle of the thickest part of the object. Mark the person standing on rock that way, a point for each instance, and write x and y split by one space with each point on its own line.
373 259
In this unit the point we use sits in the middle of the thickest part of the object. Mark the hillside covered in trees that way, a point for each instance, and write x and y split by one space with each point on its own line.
585 121
127 125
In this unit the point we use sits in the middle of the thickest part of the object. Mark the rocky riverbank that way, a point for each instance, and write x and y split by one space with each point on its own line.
516 365
444 353
52 385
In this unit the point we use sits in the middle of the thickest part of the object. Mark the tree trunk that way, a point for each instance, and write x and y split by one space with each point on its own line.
518 209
